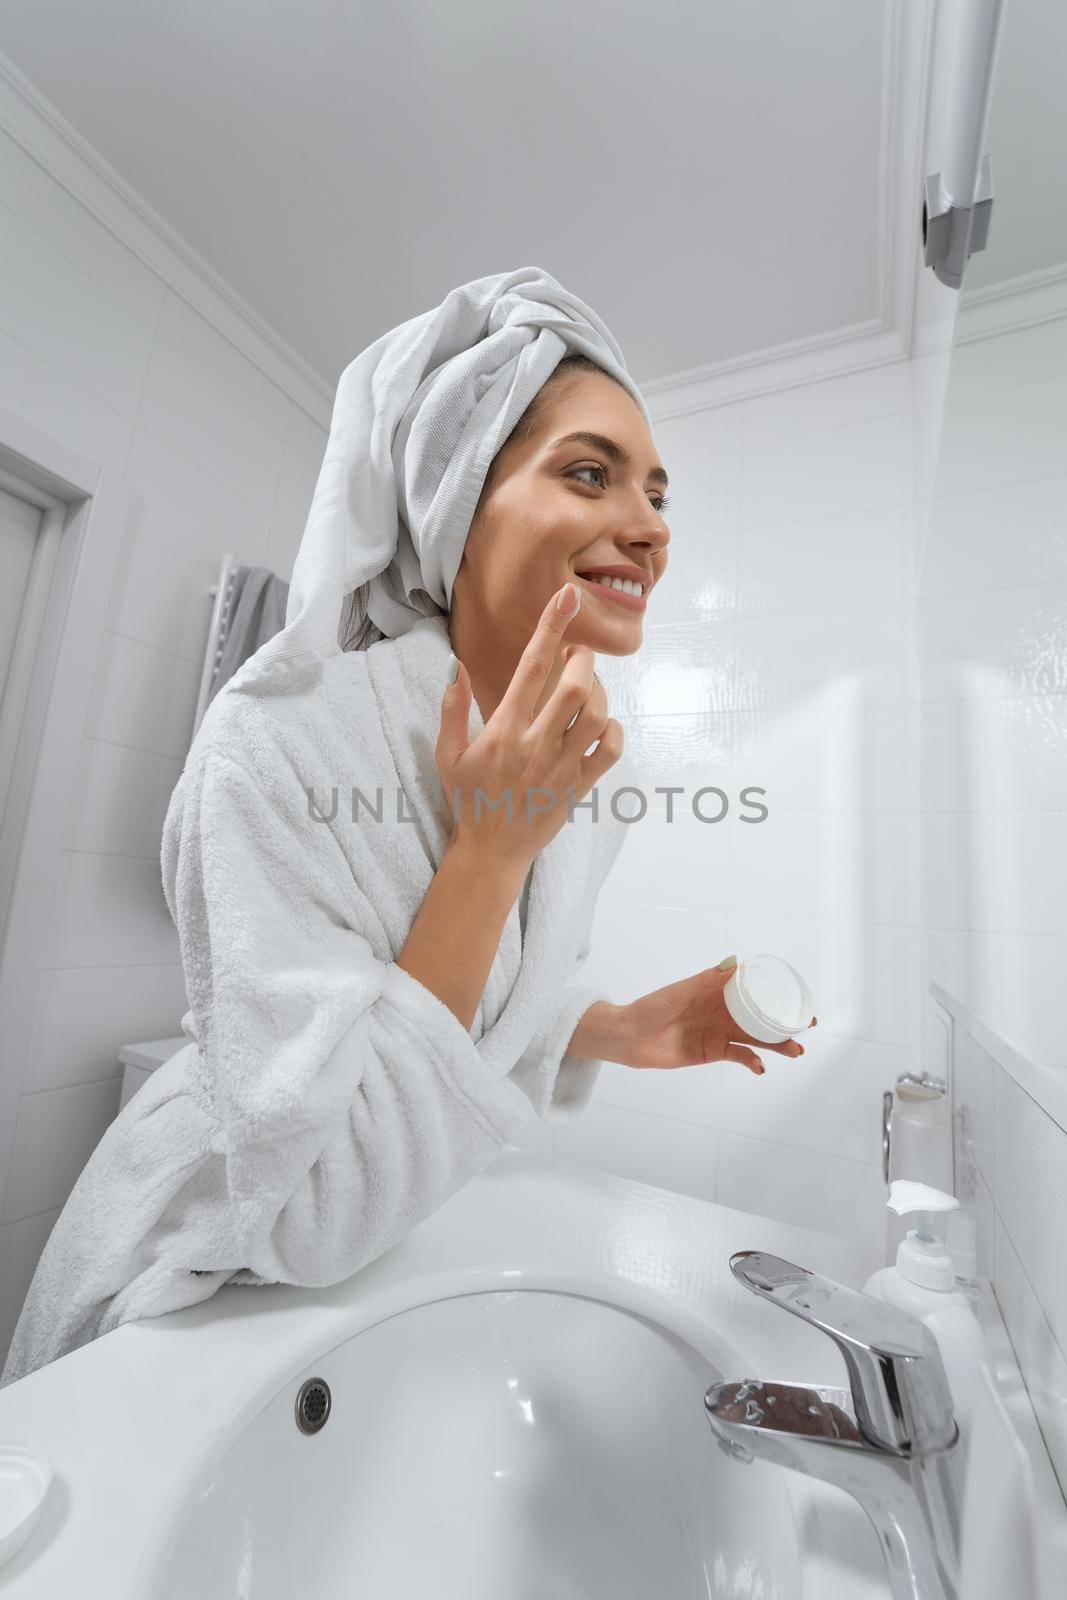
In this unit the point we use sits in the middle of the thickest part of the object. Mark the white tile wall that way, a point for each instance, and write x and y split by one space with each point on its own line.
992 630
895 680
992 612
782 654
21 1244
98 351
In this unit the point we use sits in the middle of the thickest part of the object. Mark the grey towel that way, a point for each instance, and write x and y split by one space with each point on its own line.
257 613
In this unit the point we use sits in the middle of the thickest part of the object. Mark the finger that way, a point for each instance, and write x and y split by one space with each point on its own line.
589 722
790 1047
454 733
564 705
539 658
608 750
787 1047
746 1058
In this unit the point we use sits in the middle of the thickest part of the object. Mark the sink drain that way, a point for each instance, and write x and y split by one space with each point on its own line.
313 1405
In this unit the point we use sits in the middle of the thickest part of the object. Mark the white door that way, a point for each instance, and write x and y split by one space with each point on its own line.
20 529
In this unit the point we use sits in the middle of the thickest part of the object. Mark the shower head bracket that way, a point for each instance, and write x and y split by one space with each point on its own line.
952 233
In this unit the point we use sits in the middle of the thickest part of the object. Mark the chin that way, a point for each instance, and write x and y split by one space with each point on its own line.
608 641
618 648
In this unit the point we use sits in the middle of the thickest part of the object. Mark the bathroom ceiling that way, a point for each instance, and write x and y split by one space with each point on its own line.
707 177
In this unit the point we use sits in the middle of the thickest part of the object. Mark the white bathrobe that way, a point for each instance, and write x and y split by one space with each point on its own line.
326 1101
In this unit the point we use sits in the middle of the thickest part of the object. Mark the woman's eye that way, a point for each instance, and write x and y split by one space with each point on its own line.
661 502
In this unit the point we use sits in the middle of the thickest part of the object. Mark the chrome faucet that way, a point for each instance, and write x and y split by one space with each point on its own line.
891 1440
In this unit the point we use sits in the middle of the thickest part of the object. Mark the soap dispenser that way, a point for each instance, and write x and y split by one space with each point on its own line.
924 1283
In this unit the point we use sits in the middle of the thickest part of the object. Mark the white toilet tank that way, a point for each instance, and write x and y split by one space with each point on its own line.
141 1059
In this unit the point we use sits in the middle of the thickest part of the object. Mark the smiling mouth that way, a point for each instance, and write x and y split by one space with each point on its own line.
625 597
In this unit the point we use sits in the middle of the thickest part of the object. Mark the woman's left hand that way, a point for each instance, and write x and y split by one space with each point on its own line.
687 1024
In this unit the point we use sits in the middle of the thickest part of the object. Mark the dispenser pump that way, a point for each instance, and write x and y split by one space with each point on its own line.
921 1257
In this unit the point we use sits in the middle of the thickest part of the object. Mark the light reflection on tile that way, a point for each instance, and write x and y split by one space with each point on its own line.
996 755
683 667
998 643
857 655
688 750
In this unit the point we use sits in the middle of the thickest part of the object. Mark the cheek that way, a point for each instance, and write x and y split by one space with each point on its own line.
569 523
544 532
526 540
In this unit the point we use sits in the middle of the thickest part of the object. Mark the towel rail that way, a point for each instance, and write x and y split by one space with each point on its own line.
222 593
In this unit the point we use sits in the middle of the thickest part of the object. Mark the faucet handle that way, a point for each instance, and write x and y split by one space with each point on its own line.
900 1392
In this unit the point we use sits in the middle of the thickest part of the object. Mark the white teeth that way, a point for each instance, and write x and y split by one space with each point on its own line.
627 585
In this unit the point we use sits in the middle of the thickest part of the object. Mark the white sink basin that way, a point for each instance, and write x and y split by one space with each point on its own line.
517 1413
531 1445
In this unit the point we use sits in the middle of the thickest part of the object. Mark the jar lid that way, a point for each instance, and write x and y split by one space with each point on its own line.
769 999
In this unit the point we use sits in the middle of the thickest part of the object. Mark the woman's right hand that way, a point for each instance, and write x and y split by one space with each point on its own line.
540 757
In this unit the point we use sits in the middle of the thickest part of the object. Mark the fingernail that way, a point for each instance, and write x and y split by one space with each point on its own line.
453 668
569 599
726 963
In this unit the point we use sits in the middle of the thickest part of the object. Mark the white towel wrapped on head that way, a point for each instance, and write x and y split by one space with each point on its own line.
418 418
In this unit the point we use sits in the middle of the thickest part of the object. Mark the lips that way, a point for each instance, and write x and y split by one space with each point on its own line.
636 602
628 574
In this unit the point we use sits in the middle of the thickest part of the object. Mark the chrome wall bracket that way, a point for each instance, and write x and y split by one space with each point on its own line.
952 233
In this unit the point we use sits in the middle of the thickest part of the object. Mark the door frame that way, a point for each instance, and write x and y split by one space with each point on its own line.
87 511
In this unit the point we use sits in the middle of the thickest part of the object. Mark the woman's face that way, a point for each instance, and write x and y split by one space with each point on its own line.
557 510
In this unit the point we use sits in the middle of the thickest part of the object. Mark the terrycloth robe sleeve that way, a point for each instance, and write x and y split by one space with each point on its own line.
352 1101
559 1086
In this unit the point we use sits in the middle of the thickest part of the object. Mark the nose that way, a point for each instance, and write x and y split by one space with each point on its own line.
654 535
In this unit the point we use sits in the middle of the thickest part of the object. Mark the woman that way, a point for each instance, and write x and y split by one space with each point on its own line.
378 956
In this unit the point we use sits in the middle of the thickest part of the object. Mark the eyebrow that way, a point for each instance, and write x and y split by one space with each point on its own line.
614 451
